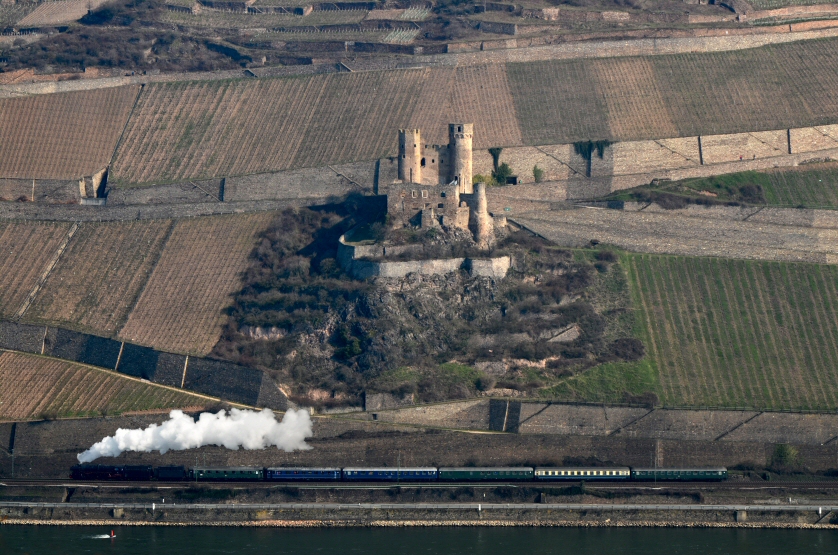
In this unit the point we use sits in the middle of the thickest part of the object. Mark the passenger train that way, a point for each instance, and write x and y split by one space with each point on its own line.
390 474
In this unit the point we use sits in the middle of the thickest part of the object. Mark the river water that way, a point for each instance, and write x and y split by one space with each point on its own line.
72 540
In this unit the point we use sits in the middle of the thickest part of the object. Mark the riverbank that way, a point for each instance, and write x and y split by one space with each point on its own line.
332 515
428 524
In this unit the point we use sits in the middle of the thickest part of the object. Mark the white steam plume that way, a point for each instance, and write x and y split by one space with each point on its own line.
241 428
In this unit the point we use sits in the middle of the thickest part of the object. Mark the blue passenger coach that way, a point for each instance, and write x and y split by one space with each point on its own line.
302 474
390 474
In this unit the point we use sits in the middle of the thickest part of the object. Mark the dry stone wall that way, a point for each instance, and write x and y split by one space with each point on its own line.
570 419
633 163
729 148
225 380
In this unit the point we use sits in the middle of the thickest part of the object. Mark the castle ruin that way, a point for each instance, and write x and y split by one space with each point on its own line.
434 185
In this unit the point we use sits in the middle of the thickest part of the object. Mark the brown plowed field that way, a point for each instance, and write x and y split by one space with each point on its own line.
62 136
181 307
25 250
98 277
33 387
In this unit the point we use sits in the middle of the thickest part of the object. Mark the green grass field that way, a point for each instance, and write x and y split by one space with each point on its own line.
726 333
808 186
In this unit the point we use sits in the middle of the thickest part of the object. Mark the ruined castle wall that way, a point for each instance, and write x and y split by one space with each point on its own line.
482 161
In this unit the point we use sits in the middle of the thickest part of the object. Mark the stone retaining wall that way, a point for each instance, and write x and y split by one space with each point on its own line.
569 419
225 380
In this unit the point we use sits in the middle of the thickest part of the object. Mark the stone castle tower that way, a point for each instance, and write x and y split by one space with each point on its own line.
460 137
434 185
437 164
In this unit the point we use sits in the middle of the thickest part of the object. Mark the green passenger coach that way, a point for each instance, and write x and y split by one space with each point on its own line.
486 473
221 474
679 474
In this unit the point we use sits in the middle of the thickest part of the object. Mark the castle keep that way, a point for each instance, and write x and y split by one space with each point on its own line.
434 185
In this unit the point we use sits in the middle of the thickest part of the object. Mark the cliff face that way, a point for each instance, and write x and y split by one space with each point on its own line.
329 338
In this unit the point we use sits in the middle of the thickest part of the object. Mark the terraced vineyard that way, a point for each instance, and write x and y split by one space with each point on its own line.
739 333
771 4
181 307
38 387
27 249
244 127
814 187
98 277
639 110
194 130
55 13
62 136
773 87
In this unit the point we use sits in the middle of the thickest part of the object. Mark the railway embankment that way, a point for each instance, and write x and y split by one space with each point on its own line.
418 514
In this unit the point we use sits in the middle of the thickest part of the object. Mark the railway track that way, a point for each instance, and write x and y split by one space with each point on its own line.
730 484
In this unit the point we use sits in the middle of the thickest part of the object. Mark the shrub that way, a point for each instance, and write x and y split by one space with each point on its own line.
484 383
628 348
502 173
537 174
785 455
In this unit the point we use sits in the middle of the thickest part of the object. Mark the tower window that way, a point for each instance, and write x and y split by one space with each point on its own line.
440 205
433 161
422 163
424 194
459 129
413 194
